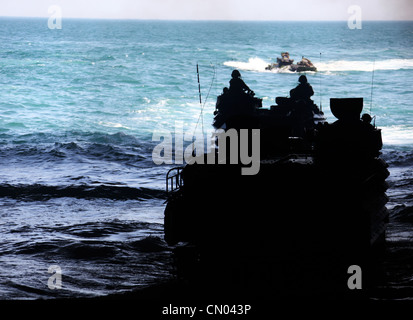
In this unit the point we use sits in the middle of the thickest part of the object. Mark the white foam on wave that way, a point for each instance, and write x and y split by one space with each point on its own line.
397 135
112 125
253 64
365 65
259 65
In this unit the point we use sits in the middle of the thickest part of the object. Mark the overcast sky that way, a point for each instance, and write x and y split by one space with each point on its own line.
212 9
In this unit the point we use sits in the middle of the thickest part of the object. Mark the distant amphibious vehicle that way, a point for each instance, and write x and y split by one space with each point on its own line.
286 63
314 209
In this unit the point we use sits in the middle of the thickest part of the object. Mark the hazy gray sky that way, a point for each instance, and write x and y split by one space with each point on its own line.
212 9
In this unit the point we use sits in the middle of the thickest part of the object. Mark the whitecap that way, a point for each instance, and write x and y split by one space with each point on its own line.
364 65
253 64
112 125
259 65
397 135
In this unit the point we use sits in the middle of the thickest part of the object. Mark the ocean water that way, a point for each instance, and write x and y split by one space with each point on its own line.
79 106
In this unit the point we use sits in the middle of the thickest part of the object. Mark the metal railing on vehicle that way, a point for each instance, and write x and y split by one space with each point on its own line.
174 179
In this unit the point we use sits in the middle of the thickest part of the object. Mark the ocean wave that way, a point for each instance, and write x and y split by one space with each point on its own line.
76 153
149 244
402 213
85 250
109 249
99 229
44 192
399 158
365 65
89 268
36 138
259 65
94 58
113 125
28 289
43 146
253 64
397 135
89 248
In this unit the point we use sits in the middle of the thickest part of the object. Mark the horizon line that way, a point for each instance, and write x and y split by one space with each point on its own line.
200 20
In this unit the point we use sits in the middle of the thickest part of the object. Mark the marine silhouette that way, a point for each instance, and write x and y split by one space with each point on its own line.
303 91
237 85
236 102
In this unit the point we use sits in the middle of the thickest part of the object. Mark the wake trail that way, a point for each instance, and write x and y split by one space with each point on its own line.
258 65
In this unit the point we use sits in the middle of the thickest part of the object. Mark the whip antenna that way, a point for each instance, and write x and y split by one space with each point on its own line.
201 116
319 75
199 85
372 81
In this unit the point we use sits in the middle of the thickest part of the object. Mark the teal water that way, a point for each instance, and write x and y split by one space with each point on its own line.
78 107
128 76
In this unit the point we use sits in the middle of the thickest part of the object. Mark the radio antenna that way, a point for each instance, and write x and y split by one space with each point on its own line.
319 75
199 84
201 115
372 81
